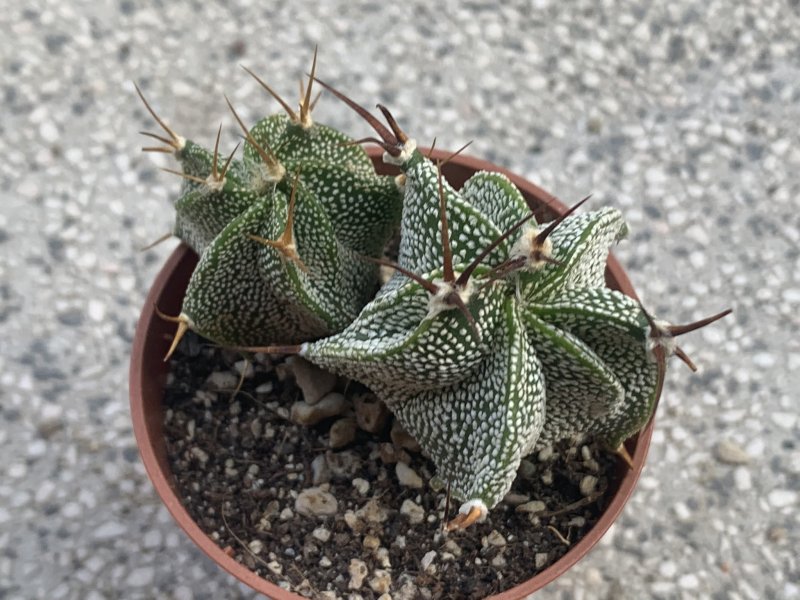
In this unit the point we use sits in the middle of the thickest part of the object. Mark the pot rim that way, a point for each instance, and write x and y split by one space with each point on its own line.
148 374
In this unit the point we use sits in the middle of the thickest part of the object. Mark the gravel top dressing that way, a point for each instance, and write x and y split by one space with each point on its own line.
343 506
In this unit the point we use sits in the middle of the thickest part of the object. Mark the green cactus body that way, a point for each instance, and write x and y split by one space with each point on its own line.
244 292
477 403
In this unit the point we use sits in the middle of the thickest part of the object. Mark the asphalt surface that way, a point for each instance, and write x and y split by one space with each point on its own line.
682 114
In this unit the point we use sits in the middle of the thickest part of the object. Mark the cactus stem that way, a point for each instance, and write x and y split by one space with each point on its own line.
286 243
268 156
184 324
163 238
274 94
175 141
389 143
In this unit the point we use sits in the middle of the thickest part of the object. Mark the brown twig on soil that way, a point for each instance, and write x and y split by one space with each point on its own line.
238 539
570 507
558 534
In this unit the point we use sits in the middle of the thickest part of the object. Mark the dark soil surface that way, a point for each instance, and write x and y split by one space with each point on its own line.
240 464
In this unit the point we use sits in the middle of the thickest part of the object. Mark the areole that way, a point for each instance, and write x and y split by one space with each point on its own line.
148 375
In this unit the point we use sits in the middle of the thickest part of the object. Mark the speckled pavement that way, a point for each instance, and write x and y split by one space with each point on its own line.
684 115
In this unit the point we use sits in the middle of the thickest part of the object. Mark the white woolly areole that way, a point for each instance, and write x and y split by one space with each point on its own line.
400 182
527 247
438 302
181 142
215 185
405 154
470 504
265 176
303 349
661 338
184 317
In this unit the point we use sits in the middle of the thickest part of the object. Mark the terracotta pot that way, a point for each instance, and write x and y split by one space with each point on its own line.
148 375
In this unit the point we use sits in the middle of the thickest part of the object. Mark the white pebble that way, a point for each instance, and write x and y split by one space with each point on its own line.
358 571
322 534
361 485
407 476
413 511
729 452
427 561
782 498
315 502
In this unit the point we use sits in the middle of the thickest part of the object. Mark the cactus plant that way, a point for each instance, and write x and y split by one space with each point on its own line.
495 334
279 233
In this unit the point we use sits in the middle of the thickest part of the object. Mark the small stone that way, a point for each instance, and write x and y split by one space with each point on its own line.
353 521
782 498
325 562
588 485
383 558
304 413
244 368
387 453
742 479
256 546
577 522
515 499
540 559
315 383
361 485
141 577
342 433
689 581
371 413
358 572
286 514
315 502
402 439
427 562
380 582
275 567
264 388
322 534
371 542
495 538
320 473
499 561
413 511
730 453
407 476
545 454
452 547
527 470
534 506
343 465
222 381
373 512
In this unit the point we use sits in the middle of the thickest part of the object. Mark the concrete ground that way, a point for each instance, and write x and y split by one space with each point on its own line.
682 114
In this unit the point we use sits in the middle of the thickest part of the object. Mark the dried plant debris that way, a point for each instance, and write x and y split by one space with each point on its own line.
330 522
